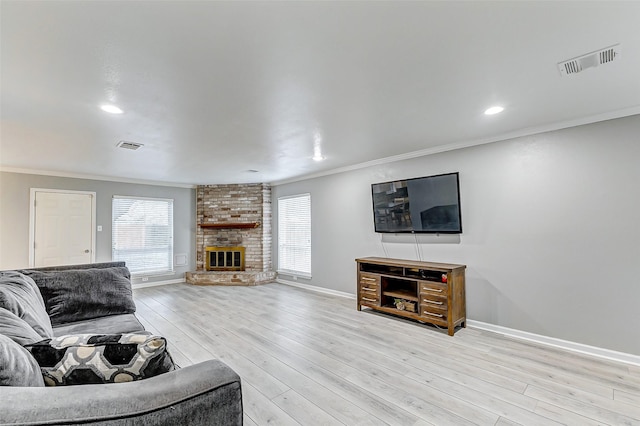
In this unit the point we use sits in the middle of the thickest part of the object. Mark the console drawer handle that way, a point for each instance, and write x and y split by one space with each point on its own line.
368 279
368 289
433 315
438 290
432 302
369 300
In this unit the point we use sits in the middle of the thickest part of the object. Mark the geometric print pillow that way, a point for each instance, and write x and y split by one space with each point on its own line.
101 358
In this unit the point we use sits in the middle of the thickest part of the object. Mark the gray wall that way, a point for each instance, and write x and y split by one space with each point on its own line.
551 230
14 215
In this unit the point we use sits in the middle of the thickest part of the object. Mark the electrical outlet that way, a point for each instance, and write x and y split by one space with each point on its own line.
145 279
99 228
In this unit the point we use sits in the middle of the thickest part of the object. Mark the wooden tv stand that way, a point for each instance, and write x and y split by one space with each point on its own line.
424 291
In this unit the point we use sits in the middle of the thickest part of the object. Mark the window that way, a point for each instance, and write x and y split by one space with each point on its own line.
142 234
294 235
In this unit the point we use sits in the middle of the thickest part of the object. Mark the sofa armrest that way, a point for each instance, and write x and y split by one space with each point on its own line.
202 394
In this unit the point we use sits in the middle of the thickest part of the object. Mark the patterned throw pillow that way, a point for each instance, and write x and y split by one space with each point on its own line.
101 358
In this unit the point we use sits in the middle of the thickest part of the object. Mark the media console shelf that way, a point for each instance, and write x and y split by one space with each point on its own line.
424 291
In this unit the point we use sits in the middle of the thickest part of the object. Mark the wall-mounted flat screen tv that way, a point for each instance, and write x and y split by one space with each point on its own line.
429 204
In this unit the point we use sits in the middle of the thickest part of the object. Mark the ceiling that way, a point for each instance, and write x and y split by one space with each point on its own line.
236 92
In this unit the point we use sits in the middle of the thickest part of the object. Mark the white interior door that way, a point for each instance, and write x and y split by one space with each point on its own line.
63 228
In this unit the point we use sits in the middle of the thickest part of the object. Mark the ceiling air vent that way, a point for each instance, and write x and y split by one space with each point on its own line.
593 59
129 145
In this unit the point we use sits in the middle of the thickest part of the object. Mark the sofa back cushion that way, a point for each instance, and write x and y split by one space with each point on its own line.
80 294
17 366
20 295
17 329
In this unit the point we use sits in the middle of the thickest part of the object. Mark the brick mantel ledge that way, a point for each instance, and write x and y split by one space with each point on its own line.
230 225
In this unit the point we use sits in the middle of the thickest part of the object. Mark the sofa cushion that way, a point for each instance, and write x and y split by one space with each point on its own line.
112 324
101 358
20 295
17 366
80 294
17 329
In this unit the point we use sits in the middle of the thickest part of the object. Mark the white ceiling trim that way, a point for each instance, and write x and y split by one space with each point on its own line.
461 145
415 154
92 177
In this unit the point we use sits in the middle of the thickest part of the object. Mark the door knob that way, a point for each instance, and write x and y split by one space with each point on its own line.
87 251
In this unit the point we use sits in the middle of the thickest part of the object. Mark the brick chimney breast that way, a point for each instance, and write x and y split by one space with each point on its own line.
235 204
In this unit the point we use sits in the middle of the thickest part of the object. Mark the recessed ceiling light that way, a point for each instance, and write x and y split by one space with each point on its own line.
111 109
494 110
317 147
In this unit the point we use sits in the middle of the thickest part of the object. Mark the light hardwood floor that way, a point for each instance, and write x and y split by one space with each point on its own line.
307 358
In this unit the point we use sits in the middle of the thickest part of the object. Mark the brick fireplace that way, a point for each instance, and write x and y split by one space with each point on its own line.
230 219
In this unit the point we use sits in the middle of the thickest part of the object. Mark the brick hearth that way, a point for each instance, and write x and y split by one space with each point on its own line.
229 278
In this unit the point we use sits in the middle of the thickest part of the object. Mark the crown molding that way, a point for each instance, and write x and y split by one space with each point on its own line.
93 177
528 131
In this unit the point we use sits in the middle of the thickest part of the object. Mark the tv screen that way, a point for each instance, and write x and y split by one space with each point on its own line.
429 204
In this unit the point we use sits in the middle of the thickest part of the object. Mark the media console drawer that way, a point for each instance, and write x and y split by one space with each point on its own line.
433 301
368 299
370 280
435 316
433 288
392 285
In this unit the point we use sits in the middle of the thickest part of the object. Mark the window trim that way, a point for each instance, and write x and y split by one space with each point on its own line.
291 272
157 272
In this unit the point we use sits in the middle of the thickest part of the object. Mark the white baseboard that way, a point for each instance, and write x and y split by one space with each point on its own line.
156 283
518 334
316 288
558 343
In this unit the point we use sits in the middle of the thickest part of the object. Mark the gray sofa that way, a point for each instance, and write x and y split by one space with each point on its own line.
97 298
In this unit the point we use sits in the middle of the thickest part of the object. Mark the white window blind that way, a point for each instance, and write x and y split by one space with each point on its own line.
142 234
294 235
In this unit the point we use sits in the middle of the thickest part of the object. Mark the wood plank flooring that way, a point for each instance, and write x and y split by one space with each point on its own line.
307 358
